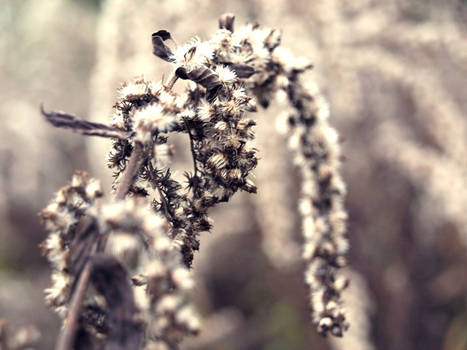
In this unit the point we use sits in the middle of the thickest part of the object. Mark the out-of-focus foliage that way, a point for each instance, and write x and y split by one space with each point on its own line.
395 74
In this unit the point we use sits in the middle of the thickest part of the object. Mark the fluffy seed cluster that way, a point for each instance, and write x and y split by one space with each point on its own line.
145 110
212 112
155 230
61 218
316 150
161 281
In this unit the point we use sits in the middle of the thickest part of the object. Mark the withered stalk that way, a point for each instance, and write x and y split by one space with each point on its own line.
67 335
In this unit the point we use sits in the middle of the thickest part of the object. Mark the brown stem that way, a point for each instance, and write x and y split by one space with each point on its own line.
172 81
193 154
67 335
165 205
130 172
125 184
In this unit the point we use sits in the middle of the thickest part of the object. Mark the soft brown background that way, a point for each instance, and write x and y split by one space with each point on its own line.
395 74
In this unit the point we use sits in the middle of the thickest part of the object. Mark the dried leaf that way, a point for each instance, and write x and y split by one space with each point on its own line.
243 71
164 34
111 280
68 121
204 77
159 48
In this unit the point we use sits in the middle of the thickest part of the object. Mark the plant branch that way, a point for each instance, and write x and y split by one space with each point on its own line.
67 335
130 172
165 206
172 82
193 154
81 126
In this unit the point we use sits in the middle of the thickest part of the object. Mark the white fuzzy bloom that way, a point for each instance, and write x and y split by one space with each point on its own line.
133 90
162 244
153 223
304 206
205 111
225 74
124 245
187 317
57 293
195 52
168 304
182 278
156 269
241 34
150 119
94 188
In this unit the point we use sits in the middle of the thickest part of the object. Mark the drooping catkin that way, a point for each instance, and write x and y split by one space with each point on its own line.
316 149
315 146
360 308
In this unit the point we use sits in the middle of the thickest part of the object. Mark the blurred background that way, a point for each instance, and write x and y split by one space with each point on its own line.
395 75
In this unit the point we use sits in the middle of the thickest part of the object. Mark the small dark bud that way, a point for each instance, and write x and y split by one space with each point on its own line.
165 35
160 49
226 21
182 73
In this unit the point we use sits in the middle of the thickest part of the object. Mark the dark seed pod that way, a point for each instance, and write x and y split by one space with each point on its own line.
159 48
164 34
242 70
204 77
226 21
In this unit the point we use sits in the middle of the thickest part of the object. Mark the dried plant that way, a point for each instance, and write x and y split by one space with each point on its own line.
23 338
136 249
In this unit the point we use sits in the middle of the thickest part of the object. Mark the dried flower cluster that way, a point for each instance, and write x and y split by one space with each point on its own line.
61 218
160 278
151 228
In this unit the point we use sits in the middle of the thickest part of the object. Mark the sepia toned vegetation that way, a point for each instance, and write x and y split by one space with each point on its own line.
393 74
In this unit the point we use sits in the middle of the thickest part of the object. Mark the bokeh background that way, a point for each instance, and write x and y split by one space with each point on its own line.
395 75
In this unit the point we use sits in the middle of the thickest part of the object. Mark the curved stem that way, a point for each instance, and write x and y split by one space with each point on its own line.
130 171
67 335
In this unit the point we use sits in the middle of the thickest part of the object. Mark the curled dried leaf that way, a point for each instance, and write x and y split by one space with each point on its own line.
68 121
243 71
204 77
111 280
159 48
